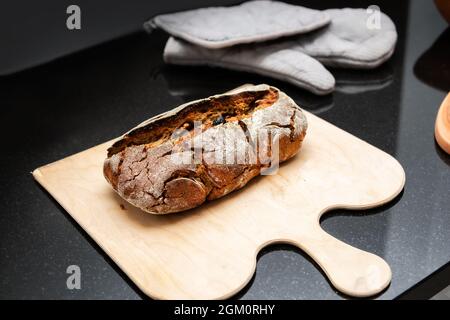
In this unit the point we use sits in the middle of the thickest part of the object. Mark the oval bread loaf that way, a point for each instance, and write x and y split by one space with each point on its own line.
204 149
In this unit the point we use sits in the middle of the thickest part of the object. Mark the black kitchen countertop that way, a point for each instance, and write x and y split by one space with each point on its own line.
54 110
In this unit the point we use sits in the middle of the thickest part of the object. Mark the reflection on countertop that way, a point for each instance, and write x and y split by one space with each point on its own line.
433 66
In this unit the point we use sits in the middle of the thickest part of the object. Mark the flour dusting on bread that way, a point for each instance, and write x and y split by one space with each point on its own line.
204 149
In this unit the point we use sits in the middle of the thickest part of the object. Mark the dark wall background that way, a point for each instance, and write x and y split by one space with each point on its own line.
35 32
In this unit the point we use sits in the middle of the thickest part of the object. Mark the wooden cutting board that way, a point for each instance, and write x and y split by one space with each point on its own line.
210 252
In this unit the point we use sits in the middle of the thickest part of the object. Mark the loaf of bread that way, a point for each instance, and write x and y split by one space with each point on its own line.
204 149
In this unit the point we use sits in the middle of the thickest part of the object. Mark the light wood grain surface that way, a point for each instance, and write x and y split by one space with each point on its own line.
210 252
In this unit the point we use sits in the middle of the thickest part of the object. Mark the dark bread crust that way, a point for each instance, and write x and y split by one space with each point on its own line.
144 167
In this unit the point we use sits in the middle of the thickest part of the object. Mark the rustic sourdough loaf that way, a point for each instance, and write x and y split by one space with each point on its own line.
204 149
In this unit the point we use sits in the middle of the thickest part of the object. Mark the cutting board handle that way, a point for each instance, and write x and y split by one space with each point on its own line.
352 271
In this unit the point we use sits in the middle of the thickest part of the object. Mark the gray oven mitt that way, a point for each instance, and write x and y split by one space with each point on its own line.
253 21
273 61
346 42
